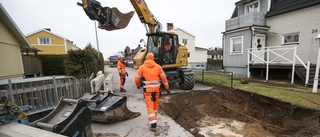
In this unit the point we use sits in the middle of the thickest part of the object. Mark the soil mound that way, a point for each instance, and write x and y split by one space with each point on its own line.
256 114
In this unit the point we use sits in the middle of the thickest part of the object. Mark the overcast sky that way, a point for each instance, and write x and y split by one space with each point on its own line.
204 19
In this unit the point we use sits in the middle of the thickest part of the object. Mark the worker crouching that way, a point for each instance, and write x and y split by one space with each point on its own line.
149 76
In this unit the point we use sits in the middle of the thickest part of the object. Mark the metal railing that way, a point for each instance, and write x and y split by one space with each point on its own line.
276 55
43 93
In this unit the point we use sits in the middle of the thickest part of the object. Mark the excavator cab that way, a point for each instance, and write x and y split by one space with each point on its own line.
108 18
167 51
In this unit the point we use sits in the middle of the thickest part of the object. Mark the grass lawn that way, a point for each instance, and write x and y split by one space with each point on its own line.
295 94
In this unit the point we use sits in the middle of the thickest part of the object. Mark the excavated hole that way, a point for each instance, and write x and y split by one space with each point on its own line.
219 112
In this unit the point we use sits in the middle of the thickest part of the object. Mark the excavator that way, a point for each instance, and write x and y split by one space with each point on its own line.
168 53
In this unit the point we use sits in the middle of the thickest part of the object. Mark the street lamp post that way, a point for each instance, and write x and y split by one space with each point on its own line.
95 26
316 77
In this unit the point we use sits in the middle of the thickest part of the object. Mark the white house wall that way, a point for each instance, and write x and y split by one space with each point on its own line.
198 56
305 21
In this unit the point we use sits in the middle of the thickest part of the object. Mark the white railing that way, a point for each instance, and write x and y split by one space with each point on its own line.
276 55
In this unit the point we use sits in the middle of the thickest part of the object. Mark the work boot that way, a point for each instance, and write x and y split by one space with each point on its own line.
122 90
153 127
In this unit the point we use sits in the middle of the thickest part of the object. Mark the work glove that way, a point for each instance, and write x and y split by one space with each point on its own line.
127 74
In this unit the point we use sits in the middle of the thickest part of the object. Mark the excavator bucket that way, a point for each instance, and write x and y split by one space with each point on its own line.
108 18
109 108
118 20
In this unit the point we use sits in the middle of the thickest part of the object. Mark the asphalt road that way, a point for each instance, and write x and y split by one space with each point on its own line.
138 127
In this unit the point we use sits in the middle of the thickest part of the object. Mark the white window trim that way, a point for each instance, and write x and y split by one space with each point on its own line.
44 37
245 7
289 43
231 46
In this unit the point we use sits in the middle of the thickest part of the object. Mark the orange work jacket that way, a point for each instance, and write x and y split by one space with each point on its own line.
152 74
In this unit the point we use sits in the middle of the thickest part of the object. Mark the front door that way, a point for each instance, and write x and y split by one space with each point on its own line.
259 48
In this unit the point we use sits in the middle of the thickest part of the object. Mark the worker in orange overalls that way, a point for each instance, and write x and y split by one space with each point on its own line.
122 73
150 74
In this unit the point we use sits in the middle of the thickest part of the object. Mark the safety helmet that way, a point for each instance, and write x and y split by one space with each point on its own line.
150 56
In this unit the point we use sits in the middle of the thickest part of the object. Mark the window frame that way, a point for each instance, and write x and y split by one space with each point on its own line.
185 41
231 45
290 34
251 4
48 38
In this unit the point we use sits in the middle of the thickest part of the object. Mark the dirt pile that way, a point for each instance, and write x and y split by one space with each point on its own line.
239 112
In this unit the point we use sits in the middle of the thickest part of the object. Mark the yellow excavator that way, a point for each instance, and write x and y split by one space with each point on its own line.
169 54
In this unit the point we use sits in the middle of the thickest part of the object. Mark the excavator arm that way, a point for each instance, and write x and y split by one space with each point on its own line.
146 16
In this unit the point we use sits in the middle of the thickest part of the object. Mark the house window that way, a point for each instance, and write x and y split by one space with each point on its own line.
292 38
44 41
236 45
185 41
252 7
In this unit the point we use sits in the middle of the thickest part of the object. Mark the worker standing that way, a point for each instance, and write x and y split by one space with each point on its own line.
122 73
149 75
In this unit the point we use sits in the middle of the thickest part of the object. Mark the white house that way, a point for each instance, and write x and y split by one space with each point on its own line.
272 38
197 55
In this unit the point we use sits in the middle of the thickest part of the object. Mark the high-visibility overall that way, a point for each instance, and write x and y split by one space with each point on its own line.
151 74
122 73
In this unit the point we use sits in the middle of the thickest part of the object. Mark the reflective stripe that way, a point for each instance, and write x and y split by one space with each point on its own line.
153 121
162 74
138 76
152 115
152 82
166 83
151 86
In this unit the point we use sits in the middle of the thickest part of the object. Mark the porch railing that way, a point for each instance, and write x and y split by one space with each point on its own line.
276 55
43 93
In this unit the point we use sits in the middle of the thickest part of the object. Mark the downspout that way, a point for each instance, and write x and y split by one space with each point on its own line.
65 46
250 55
224 50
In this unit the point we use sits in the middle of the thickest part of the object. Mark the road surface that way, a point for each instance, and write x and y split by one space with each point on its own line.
139 126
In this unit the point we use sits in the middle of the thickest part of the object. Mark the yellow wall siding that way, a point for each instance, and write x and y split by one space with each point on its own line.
51 49
10 61
69 45
10 56
57 45
6 36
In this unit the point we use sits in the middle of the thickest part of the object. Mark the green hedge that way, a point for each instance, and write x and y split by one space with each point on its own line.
77 63
215 62
53 64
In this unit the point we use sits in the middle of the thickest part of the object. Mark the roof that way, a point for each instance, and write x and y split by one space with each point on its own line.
13 28
185 32
200 48
44 29
283 6
212 52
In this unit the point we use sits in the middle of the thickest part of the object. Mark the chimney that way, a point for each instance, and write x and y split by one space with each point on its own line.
169 26
48 29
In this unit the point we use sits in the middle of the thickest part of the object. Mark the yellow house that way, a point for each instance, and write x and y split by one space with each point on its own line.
50 43
12 41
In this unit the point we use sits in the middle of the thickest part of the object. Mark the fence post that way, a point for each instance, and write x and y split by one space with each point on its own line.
10 91
56 98
202 75
231 81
